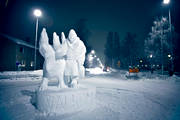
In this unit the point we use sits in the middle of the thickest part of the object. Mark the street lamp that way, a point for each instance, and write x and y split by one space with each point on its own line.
37 14
166 2
151 62
92 52
150 55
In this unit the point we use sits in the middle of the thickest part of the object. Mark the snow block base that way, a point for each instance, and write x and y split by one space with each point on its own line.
66 100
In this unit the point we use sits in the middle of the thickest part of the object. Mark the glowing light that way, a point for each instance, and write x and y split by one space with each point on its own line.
140 61
151 56
166 1
92 52
37 12
169 55
32 64
96 70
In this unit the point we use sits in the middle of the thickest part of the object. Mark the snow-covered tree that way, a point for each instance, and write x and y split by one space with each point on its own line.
158 42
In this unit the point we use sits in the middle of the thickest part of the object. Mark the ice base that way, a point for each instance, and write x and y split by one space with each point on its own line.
67 100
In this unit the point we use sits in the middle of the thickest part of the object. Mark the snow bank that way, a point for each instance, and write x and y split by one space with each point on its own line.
21 75
36 72
96 71
67 100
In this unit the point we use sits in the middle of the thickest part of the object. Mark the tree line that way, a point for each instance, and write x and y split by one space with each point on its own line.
160 48
121 53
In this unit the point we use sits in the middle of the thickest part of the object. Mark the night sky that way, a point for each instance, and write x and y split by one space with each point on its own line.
122 16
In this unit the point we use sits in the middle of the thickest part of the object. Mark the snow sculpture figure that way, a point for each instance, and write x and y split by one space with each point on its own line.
63 59
52 68
75 58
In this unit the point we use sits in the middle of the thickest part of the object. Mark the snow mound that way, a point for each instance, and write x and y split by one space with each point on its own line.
10 73
67 100
95 71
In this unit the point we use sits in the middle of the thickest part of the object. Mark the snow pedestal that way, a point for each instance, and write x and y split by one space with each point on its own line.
66 100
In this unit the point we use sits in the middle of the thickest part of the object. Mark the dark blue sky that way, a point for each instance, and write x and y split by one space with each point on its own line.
102 16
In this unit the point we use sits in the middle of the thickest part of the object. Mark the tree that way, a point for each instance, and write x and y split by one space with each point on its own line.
130 47
116 50
112 49
109 49
116 46
158 42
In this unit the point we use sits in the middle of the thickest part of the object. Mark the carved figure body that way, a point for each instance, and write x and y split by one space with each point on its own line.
54 64
74 59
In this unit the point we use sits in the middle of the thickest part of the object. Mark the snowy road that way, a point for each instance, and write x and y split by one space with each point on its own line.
117 98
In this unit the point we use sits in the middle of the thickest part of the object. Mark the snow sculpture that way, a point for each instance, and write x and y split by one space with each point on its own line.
54 63
75 58
64 101
64 62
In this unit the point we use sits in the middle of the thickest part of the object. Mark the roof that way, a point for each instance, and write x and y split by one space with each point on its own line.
17 41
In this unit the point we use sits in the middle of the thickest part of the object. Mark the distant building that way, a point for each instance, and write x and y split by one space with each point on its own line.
16 54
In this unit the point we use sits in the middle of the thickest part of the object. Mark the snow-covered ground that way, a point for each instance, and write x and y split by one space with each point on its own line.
146 97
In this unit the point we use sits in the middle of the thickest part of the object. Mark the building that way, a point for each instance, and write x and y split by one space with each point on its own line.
17 54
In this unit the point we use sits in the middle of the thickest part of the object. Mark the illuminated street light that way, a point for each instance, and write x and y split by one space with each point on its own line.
151 56
37 14
169 56
92 52
166 1
151 62
140 61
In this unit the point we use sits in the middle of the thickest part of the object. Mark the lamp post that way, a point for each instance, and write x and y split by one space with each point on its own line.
151 62
37 14
166 2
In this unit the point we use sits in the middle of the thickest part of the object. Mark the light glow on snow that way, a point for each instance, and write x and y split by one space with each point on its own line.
95 71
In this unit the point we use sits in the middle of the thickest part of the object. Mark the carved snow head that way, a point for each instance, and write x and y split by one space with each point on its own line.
72 36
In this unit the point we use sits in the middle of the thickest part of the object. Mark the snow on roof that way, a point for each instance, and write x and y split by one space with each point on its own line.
17 41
